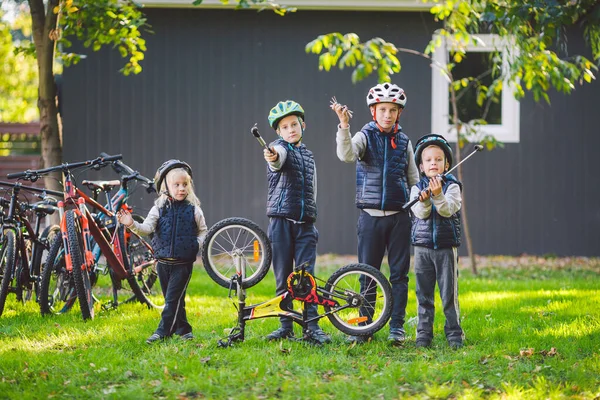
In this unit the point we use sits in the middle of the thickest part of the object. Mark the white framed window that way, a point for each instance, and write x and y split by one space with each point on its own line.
503 119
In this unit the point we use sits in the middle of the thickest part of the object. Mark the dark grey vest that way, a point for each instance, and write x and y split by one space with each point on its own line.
381 173
437 232
176 235
291 189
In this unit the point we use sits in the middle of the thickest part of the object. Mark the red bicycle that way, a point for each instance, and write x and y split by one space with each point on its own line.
81 232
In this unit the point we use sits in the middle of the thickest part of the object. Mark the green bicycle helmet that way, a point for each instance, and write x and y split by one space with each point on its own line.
437 140
283 109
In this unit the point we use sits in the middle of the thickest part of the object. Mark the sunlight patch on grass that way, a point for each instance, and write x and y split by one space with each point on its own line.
579 328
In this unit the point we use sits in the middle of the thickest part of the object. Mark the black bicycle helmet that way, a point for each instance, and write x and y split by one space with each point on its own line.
164 169
437 140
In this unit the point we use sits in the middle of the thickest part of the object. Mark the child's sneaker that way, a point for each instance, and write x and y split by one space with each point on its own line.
319 336
455 344
397 335
187 336
422 343
154 338
281 333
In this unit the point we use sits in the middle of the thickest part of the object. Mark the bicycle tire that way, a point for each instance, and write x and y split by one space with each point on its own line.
7 264
81 277
37 265
247 241
345 283
56 286
139 254
131 277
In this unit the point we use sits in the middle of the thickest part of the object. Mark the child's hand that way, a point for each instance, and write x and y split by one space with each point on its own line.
342 111
424 195
124 217
270 156
435 185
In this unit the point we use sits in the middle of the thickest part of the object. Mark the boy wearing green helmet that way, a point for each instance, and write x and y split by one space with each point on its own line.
292 207
385 171
436 237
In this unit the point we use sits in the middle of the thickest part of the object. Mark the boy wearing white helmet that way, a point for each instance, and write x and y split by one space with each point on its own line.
385 172
436 237
292 207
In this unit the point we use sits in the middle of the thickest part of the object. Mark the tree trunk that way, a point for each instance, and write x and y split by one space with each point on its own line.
44 25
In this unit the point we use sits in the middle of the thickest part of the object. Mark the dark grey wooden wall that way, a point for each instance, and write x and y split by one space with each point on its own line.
209 75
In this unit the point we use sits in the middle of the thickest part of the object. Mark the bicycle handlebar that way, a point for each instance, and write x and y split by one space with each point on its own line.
33 175
120 167
32 189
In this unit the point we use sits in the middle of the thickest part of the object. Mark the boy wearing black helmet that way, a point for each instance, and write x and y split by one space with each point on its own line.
436 237
178 227
385 171
292 207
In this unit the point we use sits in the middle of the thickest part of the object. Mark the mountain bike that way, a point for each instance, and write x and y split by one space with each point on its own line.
81 232
24 250
57 285
236 254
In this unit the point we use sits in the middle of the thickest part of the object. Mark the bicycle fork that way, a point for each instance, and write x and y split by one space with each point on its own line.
237 333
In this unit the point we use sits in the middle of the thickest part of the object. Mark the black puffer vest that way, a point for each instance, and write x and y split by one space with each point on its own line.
437 232
291 189
176 235
381 173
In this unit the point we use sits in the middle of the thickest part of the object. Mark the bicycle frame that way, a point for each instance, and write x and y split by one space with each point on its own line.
76 199
14 220
277 306
113 204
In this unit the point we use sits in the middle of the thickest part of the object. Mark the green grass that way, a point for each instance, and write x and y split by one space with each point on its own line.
532 332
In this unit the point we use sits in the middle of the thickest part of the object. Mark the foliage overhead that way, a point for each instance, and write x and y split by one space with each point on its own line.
537 30
18 73
264 4
116 23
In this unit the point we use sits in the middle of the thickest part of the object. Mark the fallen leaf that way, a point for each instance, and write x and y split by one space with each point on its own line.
527 352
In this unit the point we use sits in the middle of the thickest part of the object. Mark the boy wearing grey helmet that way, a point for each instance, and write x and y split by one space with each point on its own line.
436 237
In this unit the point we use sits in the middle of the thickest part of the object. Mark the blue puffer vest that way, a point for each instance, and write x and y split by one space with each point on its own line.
176 235
437 232
291 189
381 173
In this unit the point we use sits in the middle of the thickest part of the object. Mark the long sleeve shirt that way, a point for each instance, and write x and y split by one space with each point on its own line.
446 204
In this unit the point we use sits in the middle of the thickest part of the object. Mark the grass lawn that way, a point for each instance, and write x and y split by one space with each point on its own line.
532 331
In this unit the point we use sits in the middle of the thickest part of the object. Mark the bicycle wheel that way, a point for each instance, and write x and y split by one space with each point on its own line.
236 240
140 256
47 236
365 298
81 277
138 293
57 288
141 260
7 264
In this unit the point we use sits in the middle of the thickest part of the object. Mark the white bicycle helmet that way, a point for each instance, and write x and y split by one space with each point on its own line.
386 93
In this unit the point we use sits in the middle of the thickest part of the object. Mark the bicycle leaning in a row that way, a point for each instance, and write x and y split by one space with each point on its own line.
236 254
24 251
75 268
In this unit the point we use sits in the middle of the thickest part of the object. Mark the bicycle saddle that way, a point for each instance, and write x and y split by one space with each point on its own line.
101 185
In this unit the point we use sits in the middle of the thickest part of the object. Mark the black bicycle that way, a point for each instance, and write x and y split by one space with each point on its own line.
24 250
236 254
